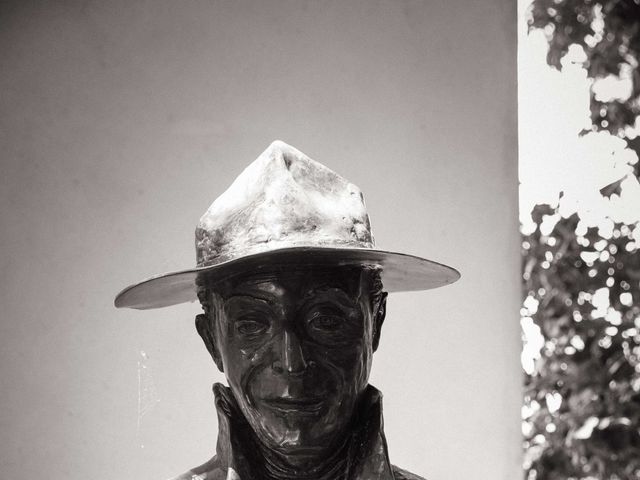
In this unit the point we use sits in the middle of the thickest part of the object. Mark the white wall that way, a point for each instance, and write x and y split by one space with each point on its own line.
122 120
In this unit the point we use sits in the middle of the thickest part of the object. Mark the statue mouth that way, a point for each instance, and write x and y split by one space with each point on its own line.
302 406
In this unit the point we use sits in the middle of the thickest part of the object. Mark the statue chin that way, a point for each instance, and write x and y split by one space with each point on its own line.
295 434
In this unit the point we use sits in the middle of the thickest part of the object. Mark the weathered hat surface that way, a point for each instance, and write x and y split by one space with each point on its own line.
283 199
285 208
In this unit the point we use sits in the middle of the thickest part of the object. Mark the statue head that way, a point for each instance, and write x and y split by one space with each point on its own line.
296 346
291 285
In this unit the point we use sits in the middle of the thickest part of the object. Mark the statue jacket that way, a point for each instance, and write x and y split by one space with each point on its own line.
366 457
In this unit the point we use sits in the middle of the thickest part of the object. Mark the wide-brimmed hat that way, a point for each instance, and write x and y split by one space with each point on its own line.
285 209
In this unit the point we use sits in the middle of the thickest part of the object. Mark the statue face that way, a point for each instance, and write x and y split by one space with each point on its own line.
296 347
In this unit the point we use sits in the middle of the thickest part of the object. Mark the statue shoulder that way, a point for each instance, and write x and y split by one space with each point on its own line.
207 471
400 474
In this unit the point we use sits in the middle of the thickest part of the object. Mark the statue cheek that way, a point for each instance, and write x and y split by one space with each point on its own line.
351 358
354 365
246 353
252 362
254 356
364 366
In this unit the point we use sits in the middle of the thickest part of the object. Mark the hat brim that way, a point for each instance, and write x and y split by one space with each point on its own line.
400 272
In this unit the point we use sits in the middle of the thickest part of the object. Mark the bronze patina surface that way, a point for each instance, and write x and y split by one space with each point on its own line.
296 347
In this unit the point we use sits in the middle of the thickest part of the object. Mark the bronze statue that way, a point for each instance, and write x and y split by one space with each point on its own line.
291 286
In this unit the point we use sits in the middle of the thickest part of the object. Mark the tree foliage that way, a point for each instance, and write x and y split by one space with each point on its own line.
582 402
582 285
609 33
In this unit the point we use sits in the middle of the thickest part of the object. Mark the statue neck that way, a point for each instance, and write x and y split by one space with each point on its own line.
331 465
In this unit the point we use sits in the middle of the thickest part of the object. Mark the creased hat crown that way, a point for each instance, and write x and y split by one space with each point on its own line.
283 199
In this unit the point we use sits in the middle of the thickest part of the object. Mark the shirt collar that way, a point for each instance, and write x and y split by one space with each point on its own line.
367 455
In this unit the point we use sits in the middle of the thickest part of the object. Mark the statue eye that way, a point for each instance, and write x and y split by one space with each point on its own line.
250 327
326 322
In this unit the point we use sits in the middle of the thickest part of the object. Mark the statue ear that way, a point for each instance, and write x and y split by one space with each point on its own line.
205 329
378 320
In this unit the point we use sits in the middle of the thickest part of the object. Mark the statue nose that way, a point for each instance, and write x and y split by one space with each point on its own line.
291 359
